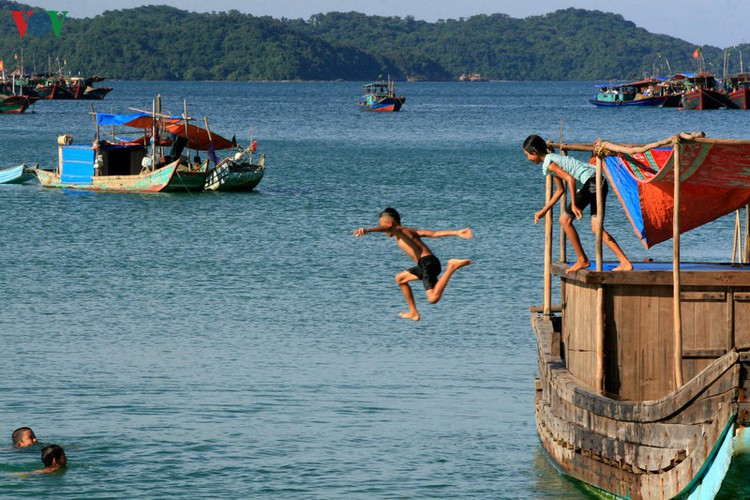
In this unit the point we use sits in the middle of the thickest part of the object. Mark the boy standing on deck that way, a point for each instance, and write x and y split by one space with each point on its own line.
428 267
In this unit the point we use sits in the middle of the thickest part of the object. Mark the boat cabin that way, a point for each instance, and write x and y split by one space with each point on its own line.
80 164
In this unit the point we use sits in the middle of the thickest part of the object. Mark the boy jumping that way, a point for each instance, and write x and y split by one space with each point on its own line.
428 268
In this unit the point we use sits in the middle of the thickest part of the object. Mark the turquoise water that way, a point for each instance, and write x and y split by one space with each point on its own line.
247 345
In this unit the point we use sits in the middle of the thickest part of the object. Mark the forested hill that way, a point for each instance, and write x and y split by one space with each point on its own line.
165 43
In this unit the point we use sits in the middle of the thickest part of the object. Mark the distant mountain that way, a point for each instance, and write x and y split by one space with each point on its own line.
165 43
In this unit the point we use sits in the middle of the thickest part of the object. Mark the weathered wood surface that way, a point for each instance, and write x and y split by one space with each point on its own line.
636 449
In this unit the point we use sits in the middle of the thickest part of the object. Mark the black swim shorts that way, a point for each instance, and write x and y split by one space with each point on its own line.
427 269
587 196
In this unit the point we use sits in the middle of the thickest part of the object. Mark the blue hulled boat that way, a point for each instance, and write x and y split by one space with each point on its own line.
647 92
381 96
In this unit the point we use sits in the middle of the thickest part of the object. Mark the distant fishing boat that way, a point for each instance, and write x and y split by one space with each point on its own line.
739 96
14 104
639 93
237 172
701 92
643 375
16 175
381 96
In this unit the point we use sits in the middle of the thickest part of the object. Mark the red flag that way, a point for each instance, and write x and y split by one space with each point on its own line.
254 146
696 53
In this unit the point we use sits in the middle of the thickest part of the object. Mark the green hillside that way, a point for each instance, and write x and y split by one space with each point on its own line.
165 43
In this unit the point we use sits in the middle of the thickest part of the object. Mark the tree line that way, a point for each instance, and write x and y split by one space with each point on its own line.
166 43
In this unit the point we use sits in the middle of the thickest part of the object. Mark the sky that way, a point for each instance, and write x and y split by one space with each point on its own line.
720 23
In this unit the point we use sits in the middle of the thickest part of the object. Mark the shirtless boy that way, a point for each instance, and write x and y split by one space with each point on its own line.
428 267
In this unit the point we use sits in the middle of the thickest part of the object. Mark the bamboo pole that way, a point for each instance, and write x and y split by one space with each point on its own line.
746 258
677 317
96 121
737 252
600 290
563 202
600 212
548 250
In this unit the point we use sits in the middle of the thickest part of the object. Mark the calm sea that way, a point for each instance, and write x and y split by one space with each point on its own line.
248 346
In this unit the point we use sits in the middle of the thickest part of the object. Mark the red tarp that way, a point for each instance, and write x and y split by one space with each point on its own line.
715 181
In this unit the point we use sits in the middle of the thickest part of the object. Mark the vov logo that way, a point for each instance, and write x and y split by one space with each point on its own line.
35 21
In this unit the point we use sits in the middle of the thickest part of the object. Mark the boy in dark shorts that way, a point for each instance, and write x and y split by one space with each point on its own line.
428 267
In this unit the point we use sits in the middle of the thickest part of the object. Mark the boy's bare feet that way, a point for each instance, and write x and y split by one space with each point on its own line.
580 264
414 316
624 266
458 263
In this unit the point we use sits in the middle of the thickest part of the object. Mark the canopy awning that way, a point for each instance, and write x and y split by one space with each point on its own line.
715 181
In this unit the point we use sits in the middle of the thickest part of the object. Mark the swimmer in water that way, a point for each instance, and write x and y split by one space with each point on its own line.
23 437
53 458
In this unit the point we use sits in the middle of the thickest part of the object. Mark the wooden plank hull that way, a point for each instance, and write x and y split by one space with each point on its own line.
740 99
232 176
680 444
187 181
148 182
703 99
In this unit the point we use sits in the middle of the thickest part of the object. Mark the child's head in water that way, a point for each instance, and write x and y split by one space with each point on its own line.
53 458
23 437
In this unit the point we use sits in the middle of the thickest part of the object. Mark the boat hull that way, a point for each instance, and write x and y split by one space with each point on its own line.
187 181
16 175
703 99
386 105
679 445
148 182
645 102
739 99
232 176
14 105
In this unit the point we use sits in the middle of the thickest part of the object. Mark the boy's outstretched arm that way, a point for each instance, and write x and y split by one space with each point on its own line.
363 231
464 233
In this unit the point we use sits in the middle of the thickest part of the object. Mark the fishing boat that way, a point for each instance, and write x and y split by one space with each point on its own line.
237 172
381 96
17 175
134 165
640 93
701 92
14 104
643 375
739 95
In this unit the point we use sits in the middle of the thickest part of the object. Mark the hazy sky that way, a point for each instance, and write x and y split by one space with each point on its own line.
721 23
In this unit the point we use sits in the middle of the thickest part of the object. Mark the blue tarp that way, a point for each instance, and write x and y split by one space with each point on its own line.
138 120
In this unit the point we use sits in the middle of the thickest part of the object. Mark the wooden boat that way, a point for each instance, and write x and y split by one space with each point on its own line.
16 175
14 104
643 375
77 171
640 93
236 173
701 92
739 96
381 96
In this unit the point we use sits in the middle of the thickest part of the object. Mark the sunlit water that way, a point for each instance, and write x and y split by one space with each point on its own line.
247 345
